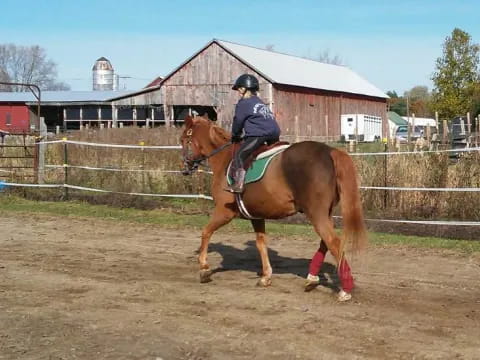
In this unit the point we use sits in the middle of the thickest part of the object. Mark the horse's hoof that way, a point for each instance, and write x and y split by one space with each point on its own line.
344 296
264 282
312 282
205 276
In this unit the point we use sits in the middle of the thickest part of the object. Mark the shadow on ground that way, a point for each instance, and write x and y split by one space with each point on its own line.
248 259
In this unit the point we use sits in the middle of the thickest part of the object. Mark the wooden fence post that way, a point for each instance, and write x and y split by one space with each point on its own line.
41 152
65 168
385 173
142 144
445 131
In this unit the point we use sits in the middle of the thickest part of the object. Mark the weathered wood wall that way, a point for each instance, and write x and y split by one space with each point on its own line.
312 107
207 80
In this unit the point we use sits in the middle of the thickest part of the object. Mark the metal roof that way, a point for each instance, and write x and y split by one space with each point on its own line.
395 118
63 96
297 71
420 121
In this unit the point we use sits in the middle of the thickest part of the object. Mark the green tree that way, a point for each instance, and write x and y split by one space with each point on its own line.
397 103
475 110
392 94
456 75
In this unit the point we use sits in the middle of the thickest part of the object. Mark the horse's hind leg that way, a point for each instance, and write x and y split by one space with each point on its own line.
315 265
218 219
259 228
324 227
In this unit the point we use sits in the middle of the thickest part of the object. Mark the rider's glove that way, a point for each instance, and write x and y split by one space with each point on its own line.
236 138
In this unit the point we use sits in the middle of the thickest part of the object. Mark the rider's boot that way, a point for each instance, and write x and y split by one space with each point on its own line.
237 187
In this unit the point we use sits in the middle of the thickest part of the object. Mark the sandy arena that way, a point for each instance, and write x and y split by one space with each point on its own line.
77 288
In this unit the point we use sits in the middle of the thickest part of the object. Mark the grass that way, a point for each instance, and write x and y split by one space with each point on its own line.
168 218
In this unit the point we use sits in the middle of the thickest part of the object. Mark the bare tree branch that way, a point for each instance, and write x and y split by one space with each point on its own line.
325 57
28 64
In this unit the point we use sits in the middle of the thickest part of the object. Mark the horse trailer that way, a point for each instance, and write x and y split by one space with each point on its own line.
361 127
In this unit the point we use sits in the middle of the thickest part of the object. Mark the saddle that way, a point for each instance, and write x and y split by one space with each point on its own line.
257 163
263 151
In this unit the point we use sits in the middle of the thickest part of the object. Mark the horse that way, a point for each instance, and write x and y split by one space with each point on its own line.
308 177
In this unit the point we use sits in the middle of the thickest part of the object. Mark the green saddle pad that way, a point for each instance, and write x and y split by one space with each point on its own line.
256 171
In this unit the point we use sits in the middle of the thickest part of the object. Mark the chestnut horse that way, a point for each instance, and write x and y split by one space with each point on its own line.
308 177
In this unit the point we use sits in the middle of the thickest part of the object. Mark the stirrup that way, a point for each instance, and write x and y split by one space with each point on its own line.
234 189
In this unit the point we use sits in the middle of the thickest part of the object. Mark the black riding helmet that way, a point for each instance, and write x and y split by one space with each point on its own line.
247 81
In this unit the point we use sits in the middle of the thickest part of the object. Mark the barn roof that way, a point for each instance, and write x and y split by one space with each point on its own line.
420 121
395 118
62 96
293 70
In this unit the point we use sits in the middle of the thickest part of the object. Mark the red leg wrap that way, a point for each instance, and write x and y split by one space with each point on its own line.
345 275
317 260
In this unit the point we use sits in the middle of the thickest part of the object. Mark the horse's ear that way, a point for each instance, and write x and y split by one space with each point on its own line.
188 121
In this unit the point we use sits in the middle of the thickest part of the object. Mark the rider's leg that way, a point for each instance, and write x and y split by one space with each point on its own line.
246 149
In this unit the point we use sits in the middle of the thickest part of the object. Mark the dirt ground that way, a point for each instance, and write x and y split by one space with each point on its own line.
76 288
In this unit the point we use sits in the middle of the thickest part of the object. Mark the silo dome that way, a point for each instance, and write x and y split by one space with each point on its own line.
102 75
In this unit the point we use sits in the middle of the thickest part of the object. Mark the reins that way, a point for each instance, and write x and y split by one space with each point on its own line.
214 152
193 164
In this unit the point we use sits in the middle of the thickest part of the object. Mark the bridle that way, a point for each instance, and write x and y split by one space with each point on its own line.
191 163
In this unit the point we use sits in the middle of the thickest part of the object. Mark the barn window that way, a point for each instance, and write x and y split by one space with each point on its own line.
8 119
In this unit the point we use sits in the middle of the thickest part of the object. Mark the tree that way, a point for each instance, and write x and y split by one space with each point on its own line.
4 78
456 75
475 110
396 103
419 101
326 57
28 64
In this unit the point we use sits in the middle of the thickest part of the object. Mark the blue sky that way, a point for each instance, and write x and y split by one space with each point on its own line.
393 44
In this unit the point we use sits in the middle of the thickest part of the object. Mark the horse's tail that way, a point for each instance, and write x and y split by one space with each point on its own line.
353 223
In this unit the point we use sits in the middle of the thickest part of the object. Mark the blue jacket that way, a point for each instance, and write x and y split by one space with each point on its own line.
255 118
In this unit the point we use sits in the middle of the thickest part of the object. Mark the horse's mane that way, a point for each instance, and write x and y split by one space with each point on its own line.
218 136
222 132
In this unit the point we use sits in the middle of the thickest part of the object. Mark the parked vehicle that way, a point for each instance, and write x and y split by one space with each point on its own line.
459 132
401 133
366 127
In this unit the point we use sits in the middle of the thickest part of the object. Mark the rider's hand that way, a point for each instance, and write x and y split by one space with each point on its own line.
236 138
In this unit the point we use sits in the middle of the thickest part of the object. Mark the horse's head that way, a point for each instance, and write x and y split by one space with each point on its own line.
199 139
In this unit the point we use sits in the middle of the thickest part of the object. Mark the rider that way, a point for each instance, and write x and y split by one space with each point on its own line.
255 120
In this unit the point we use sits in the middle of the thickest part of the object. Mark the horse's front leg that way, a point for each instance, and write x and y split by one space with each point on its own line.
219 218
259 228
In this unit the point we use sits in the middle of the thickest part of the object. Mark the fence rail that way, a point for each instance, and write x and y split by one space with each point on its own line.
143 169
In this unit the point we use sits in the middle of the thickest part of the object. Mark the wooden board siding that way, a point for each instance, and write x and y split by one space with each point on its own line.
207 80
147 98
14 118
311 106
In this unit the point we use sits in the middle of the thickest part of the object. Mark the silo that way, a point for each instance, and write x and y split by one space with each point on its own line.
102 75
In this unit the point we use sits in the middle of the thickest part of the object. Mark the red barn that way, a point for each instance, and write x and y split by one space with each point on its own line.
14 118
